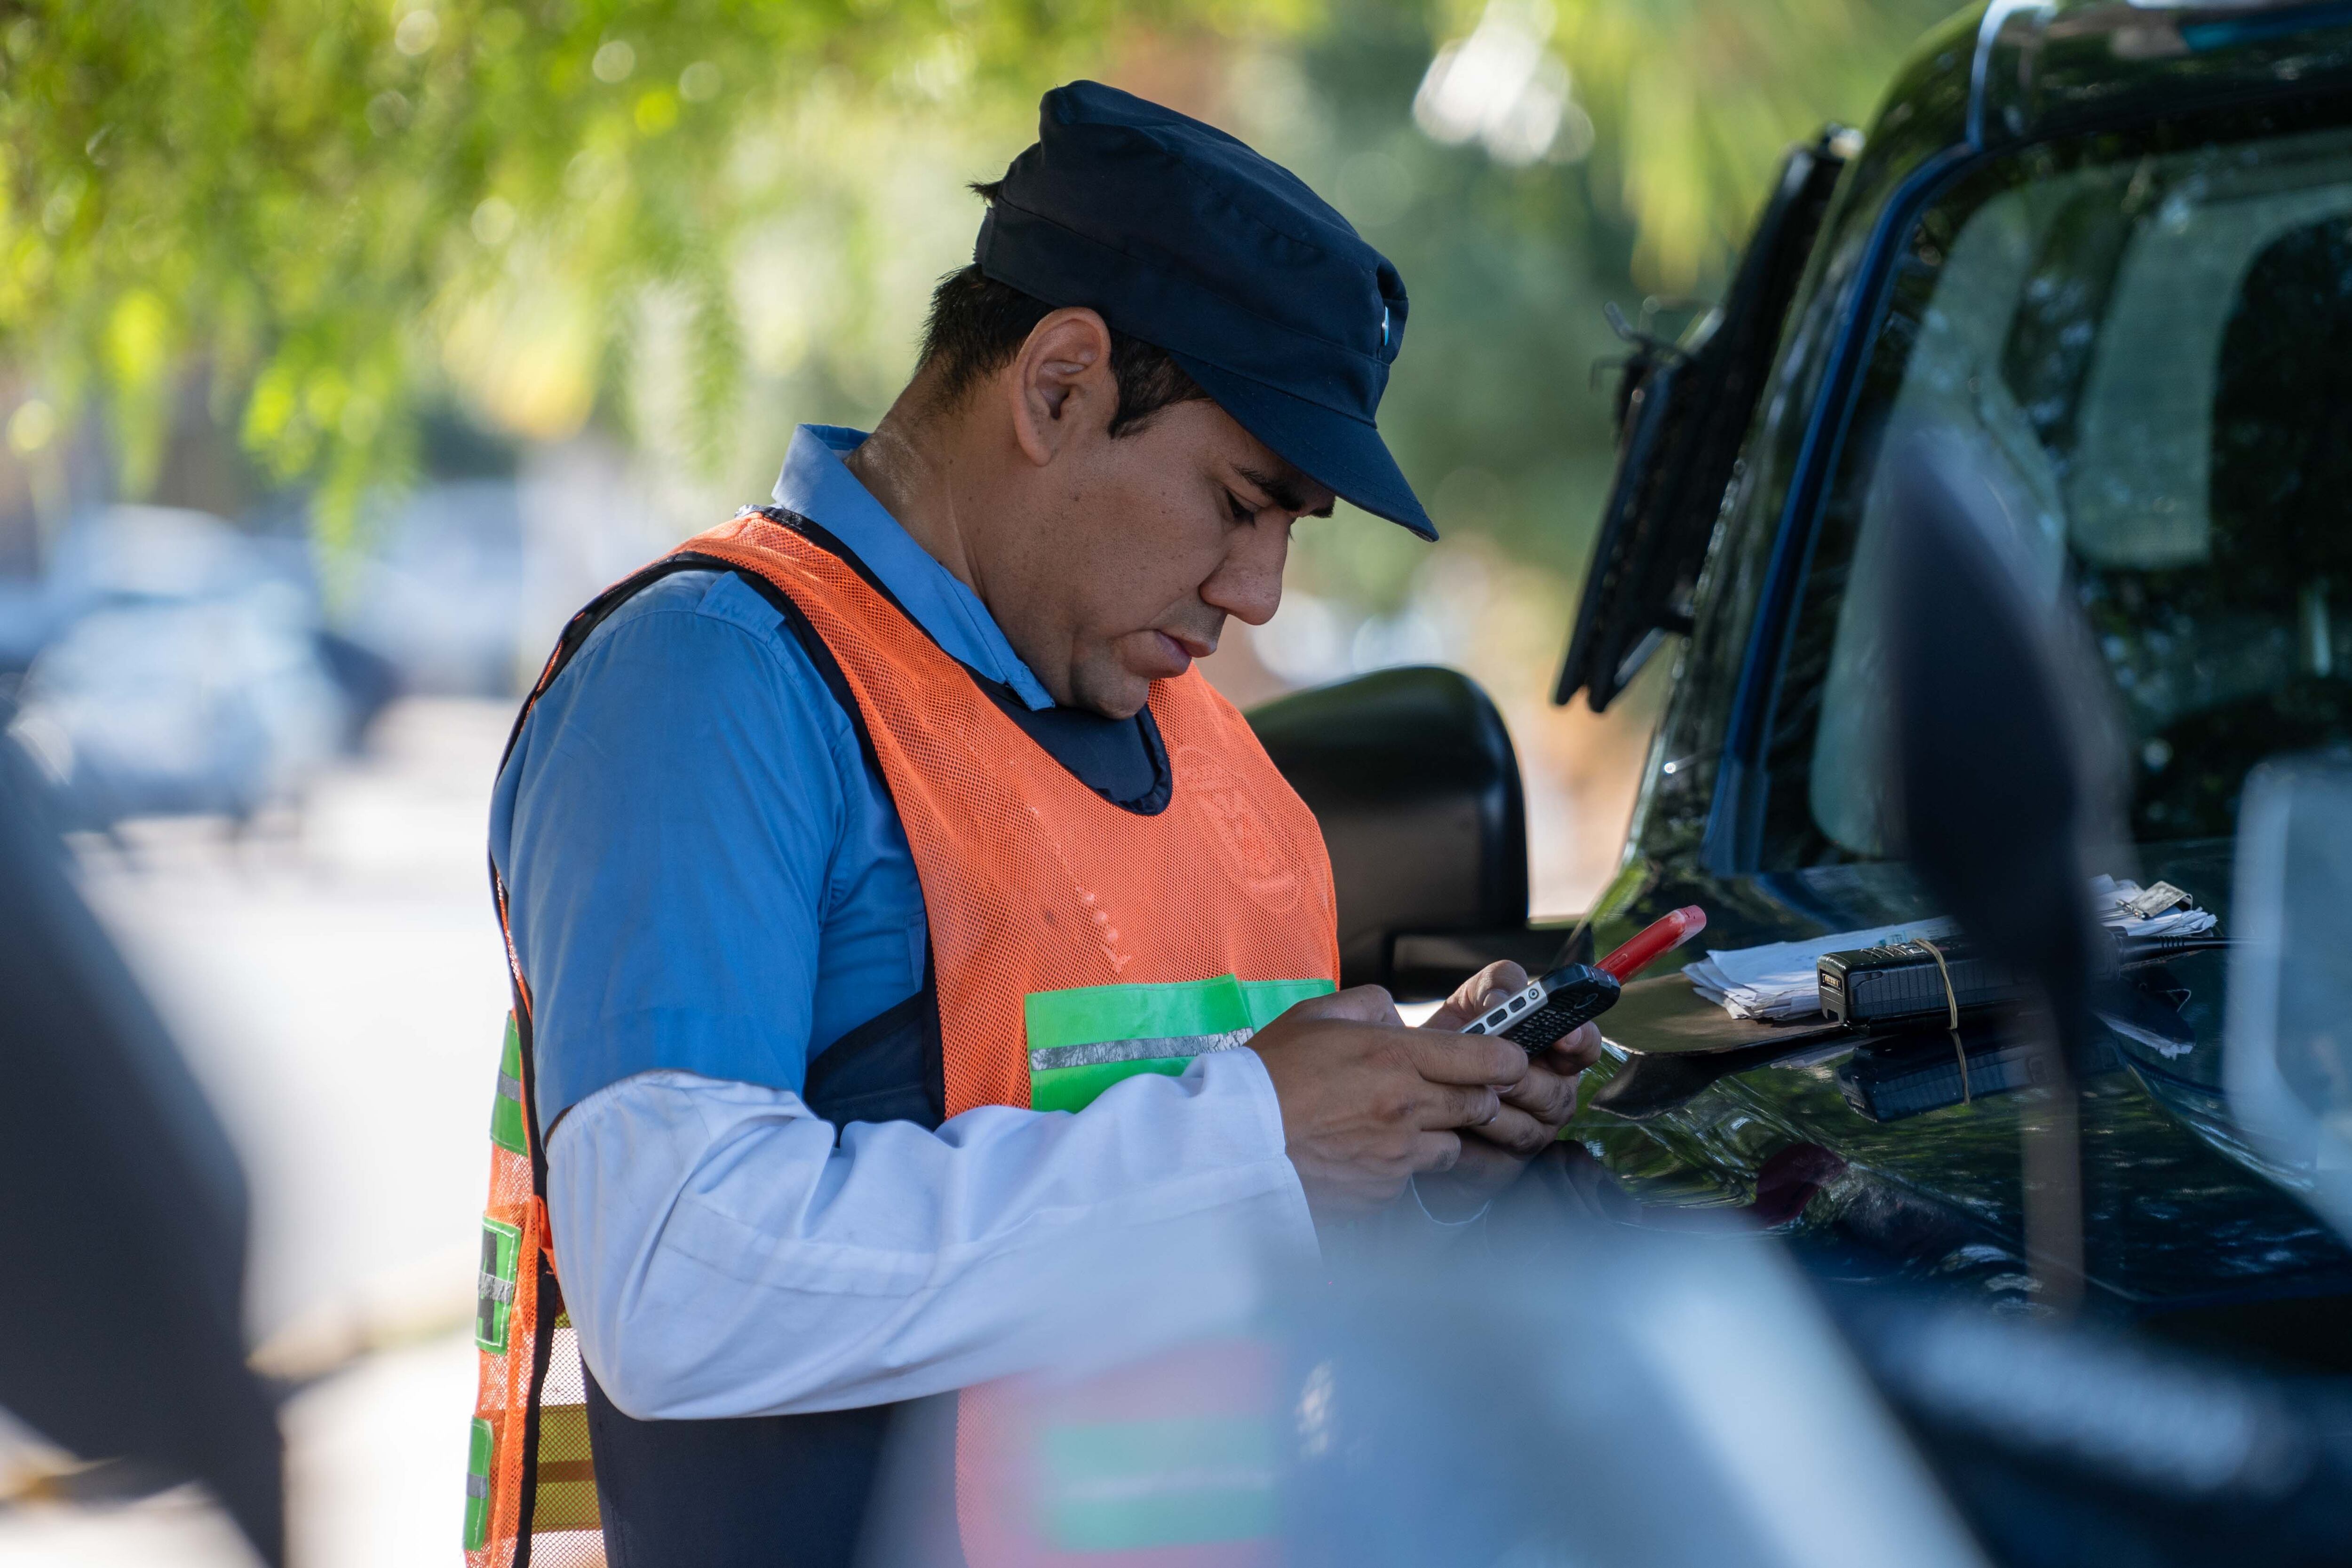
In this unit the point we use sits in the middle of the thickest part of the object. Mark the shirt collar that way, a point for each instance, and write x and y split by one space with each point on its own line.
817 484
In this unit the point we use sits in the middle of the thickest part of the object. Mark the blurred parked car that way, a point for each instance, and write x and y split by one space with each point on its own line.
438 590
182 668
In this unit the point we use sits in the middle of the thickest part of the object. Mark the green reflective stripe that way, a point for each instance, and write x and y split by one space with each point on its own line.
1110 1050
1082 1042
495 1285
478 1486
1133 1485
1221 1005
506 1110
1074 1088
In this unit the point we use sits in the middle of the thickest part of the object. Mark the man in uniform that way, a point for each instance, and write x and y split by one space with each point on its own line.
894 909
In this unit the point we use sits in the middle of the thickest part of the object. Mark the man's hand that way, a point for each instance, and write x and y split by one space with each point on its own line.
1368 1102
1534 1108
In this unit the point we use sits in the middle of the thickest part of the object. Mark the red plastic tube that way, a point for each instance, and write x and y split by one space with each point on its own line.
1663 935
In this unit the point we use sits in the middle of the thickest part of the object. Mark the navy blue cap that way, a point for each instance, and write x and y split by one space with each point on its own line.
1179 234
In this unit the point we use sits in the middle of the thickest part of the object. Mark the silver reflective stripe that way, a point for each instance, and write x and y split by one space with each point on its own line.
478 1486
511 1086
495 1289
1110 1051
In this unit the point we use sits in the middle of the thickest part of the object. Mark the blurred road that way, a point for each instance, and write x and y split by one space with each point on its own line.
335 981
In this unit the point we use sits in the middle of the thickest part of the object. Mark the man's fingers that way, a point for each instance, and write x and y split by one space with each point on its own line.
1498 981
1543 1094
1574 1051
1445 1105
1467 1058
1435 1152
1515 1130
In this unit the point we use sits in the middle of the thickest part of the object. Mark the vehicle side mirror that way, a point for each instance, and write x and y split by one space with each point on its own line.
1413 775
1682 414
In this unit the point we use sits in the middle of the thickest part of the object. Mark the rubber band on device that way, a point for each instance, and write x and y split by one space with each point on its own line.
1951 1000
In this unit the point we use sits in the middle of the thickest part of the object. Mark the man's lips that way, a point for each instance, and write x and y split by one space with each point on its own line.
1181 650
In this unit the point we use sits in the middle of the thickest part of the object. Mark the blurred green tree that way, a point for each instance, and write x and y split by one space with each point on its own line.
333 208
337 212
1697 101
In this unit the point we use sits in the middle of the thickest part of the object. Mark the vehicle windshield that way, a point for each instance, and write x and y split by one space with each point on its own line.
2147 340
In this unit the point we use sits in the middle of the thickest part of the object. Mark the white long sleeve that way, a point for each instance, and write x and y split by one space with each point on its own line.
720 1256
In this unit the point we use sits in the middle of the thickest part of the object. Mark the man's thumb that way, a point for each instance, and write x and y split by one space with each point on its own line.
1357 1004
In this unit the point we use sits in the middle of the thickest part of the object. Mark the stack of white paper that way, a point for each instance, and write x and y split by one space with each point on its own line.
2113 902
1782 980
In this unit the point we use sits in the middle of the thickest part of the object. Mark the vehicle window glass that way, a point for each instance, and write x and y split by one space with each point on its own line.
2149 346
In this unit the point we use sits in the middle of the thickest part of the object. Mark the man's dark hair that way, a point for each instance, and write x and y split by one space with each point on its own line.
977 325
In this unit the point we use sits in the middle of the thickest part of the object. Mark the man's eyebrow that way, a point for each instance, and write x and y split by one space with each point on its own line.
1283 491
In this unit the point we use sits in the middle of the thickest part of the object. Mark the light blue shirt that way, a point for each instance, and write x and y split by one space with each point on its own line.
703 873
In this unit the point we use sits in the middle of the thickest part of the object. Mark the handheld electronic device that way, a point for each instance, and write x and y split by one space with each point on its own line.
1568 996
1577 993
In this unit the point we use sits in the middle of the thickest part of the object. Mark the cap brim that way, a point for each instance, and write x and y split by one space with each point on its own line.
1344 455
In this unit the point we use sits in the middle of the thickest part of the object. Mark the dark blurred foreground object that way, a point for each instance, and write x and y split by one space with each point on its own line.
122 1208
1998 767
1593 1383
2077 1446
1565 1390
2074 1447
2000 771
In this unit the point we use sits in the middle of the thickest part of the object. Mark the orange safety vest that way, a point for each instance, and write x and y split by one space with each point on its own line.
1073 943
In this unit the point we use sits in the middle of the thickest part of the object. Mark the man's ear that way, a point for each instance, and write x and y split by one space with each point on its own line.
1061 384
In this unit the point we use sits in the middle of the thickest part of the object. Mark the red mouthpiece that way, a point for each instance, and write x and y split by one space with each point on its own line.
1663 935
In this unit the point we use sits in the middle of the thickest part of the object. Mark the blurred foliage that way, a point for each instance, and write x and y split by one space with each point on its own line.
1695 101
687 219
1496 408
332 209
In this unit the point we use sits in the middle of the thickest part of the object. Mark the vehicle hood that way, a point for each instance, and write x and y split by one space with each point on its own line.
1695 1107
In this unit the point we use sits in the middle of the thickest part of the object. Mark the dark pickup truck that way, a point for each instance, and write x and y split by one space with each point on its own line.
2109 247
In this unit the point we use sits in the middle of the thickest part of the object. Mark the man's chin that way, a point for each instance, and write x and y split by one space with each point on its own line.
1123 707
1120 694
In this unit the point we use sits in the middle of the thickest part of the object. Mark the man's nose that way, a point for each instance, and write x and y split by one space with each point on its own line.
1247 585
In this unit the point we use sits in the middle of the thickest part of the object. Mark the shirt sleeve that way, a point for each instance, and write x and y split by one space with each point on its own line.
722 1257
666 829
